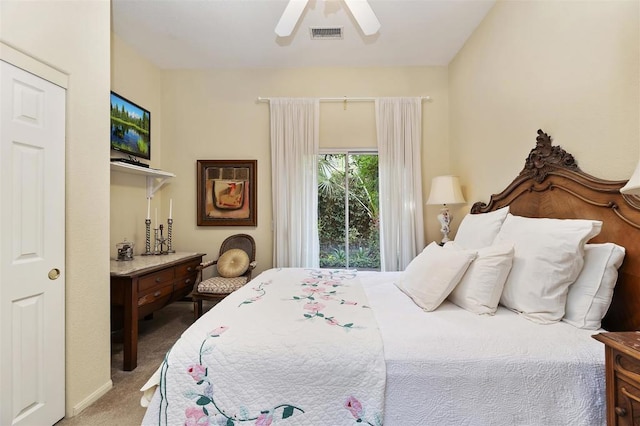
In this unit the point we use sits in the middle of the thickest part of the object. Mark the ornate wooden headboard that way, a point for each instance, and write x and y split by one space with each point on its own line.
552 185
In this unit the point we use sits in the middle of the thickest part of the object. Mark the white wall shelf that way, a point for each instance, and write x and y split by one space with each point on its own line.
155 178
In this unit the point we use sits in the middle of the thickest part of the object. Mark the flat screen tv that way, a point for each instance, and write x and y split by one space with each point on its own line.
130 128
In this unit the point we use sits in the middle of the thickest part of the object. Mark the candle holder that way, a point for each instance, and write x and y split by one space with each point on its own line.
159 241
155 241
169 235
147 244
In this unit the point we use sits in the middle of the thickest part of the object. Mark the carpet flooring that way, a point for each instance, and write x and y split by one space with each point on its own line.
121 405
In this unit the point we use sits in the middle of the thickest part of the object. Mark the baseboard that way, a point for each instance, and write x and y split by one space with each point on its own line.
92 398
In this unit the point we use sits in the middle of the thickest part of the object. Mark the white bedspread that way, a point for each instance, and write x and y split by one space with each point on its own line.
452 367
294 346
447 367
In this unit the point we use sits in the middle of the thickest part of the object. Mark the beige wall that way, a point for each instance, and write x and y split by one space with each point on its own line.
567 67
214 114
52 32
139 81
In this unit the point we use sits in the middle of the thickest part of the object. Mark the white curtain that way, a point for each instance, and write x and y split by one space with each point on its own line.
294 178
399 131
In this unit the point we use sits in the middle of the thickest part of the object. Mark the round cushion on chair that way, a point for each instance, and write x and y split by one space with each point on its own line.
233 263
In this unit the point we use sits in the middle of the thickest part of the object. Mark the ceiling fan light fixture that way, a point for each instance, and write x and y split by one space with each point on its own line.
360 10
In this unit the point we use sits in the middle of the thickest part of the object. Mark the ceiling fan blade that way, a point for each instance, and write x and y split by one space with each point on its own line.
363 14
290 17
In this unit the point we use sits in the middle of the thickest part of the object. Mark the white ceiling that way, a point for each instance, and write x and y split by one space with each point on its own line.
240 33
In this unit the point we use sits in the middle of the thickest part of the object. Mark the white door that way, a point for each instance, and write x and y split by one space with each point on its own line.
32 245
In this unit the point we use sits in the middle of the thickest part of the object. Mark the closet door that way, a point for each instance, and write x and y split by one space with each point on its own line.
32 248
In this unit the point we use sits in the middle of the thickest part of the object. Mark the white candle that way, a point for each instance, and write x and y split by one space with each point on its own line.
170 207
156 219
148 208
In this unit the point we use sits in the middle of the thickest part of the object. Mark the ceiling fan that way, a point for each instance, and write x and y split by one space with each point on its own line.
360 9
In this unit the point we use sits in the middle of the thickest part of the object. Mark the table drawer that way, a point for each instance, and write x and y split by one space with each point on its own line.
626 365
149 281
157 294
627 391
187 269
183 282
627 407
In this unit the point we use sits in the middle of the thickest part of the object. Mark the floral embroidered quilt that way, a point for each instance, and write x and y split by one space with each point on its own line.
293 347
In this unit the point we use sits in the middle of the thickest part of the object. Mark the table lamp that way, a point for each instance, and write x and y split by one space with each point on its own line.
445 190
633 185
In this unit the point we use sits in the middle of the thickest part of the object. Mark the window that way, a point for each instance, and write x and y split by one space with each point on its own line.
348 213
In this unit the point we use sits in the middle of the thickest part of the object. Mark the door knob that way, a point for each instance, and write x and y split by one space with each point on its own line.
54 274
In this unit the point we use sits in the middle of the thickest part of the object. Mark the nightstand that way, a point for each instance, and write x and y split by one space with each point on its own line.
622 364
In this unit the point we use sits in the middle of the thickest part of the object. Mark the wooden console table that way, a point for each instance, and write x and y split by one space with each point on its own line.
145 284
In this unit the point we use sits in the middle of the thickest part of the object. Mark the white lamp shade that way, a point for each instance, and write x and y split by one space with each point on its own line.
633 186
445 190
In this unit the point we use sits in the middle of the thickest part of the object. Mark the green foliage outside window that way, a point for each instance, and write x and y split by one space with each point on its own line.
364 240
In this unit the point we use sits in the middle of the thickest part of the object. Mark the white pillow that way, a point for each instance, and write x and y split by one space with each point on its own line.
431 275
590 296
480 230
481 286
548 258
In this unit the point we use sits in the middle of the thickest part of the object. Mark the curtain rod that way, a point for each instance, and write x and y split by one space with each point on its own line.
346 98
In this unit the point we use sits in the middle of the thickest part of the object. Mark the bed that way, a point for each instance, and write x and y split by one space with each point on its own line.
331 347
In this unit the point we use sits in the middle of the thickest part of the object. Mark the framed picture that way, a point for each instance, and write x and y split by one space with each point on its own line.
227 193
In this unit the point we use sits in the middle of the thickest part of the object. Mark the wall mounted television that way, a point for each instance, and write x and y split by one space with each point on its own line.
130 128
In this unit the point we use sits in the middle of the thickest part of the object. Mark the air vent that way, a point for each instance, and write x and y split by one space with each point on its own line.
326 33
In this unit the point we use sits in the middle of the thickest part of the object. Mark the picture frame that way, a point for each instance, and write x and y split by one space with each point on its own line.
227 193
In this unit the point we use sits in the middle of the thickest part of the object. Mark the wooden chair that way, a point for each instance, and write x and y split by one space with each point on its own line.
218 287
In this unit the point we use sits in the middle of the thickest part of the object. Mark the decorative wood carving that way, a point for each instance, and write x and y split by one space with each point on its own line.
545 157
